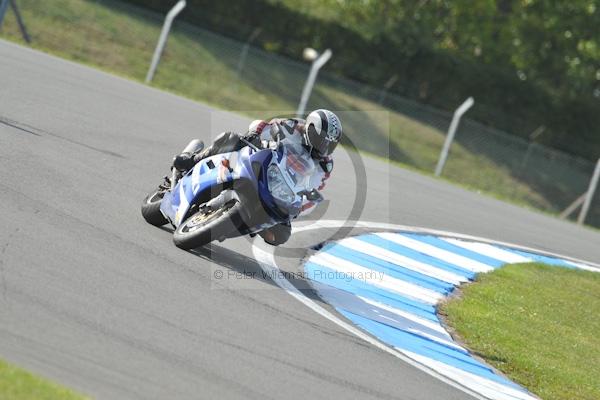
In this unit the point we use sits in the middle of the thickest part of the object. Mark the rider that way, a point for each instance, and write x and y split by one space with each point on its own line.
319 134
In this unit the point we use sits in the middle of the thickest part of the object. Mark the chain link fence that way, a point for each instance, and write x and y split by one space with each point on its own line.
210 67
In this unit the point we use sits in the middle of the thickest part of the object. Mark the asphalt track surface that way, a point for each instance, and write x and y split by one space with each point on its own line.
93 297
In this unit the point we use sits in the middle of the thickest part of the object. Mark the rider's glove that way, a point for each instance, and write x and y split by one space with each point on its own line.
326 164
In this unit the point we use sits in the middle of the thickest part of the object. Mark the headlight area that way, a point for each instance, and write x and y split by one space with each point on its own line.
277 185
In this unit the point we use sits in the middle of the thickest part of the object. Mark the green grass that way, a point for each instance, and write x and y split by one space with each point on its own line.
18 384
538 324
203 66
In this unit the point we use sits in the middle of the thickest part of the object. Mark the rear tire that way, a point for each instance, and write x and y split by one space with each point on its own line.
151 209
201 228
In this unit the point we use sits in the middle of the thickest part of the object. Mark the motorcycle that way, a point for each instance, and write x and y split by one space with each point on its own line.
232 194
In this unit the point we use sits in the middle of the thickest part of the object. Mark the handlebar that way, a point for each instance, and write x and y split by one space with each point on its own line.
249 144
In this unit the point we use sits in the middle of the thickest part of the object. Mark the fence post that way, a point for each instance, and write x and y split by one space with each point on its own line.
3 7
390 82
20 22
162 40
451 132
589 194
572 207
317 64
532 137
244 52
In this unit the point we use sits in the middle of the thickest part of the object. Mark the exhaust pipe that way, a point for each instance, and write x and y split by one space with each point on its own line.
194 146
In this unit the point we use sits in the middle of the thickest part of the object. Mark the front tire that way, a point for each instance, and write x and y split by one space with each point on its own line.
151 209
202 228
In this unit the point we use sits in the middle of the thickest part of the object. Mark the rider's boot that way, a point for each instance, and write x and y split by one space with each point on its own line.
184 162
187 159
225 142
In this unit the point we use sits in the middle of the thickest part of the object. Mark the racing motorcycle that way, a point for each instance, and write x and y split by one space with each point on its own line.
232 194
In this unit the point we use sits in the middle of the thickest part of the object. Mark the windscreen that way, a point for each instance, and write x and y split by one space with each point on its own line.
299 166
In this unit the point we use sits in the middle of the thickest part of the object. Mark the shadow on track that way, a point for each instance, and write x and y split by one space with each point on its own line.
249 267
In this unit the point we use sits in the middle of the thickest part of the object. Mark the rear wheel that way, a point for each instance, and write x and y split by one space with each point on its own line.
205 226
151 209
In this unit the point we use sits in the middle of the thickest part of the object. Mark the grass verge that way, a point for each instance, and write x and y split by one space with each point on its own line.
538 324
18 384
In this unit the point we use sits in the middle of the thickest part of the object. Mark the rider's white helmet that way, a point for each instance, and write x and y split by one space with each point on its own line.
323 132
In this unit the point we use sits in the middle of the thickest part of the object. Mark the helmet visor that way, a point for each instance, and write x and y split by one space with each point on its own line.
321 144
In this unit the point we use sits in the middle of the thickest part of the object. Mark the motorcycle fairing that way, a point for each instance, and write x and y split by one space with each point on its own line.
177 202
207 173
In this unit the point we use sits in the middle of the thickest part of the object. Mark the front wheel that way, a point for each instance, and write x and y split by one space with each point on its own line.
151 209
205 226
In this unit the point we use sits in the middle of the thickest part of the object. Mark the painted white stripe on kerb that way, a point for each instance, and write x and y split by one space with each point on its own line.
434 338
486 387
436 252
581 266
414 324
403 261
415 318
376 278
489 251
